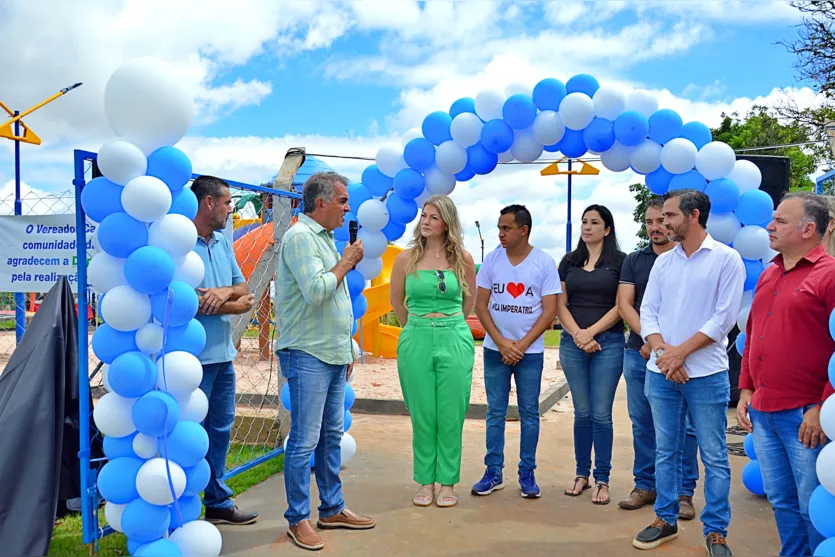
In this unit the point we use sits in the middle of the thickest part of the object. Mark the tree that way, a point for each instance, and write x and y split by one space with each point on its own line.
642 197
815 45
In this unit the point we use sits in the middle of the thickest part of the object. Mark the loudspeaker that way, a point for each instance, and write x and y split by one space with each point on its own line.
96 172
776 172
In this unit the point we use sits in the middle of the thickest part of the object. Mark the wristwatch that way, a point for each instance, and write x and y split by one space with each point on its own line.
659 352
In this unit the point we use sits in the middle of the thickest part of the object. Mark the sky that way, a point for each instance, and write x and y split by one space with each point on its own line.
346 77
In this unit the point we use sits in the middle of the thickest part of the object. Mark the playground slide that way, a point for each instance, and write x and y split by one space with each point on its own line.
379 339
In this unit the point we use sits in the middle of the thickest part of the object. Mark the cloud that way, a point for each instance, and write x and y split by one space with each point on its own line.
36 201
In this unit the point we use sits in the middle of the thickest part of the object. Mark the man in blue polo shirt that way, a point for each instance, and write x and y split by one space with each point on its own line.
222 293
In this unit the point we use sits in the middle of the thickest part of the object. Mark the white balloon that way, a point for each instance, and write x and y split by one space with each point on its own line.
742 318
146 198
390 160
370 268
827 417
451 158
723 227
679 156
646 157
770 254
105 380
748 297
149 338
548 128
190 270
373 214
489 104
198 538
641 101
609 103
182 373
525 148
716 160
746 175
752 242
577 111
825 467
125 309
357 352
374 242
106 272
121 161
152 481
412 133
113 514
175 234
145 102
194 407
466 129
437 182
145 446
113 415
616 159
518 89
421 199
507 156
348 447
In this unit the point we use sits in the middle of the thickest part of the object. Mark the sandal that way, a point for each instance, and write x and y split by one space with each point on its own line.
447 497
599 486
424 496
571 493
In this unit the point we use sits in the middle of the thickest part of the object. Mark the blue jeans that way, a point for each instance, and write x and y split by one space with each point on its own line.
317 410
593 379
643 430
528 377
789 476
219 386
706 399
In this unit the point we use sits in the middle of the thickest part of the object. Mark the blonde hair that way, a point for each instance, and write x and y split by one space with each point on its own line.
454 240
829 245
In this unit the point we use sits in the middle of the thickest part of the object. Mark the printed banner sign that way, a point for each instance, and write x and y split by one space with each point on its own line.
37 250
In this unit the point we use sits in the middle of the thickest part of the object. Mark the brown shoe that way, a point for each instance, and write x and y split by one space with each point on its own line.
304 536
346 519
686 510
637 499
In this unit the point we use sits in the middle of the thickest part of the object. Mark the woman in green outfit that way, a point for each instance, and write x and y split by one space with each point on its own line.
432 291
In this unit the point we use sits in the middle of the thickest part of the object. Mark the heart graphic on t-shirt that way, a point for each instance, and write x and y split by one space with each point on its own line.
514 289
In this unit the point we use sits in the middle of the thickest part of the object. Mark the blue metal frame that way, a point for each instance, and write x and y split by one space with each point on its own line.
19 298
820 180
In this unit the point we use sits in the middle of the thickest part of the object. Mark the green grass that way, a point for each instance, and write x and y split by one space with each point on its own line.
552 339
67 538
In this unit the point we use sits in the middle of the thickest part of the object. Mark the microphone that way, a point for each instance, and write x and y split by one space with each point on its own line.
352 231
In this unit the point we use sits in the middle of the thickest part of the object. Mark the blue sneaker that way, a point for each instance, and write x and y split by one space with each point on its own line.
490 482
527 483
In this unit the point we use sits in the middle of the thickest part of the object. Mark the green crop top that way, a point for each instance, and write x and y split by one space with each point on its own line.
423 295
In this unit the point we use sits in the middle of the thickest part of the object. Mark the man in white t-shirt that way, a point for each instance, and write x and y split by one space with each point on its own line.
516 303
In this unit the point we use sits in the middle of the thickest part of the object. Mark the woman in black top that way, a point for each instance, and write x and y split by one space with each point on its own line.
591 346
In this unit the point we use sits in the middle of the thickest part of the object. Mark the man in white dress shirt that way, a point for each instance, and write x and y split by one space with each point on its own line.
691 303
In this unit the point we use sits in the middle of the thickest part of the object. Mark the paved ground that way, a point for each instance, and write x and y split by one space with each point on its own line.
378 482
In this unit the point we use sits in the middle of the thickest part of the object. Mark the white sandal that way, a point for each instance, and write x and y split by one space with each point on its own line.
447 493
424 496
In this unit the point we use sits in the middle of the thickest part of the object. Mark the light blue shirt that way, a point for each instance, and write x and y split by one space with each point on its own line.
221 270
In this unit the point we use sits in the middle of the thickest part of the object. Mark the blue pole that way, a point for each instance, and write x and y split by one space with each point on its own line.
19 297
568 220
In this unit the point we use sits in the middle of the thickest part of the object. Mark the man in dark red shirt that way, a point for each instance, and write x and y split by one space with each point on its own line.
783 379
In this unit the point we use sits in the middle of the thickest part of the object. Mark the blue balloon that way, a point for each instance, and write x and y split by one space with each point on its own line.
357 195
519 112
170 165
401 210
631 128
108 343
348 419
419 154
144 522
359 306
155 413
572 144
409 183
496 136
285 396
354 327
466 175
356 282
149 270
826 548
752 477
464 104
132 374
658 181
187 444
548 94
552 148
134 546
689 180
480 160
376 182
723 194
832 369
831 324
190 508
197 478
183 300
582 83
740 343
754 207
435 127
394 230
118 447
120 234
190 338
822 511
117 480
159 548
343 233
748 445
100 197
340 246
664 125
753 269
698 134
599 136
350 396
184 203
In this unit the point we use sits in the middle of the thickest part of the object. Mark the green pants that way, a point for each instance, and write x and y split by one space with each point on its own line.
435 364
